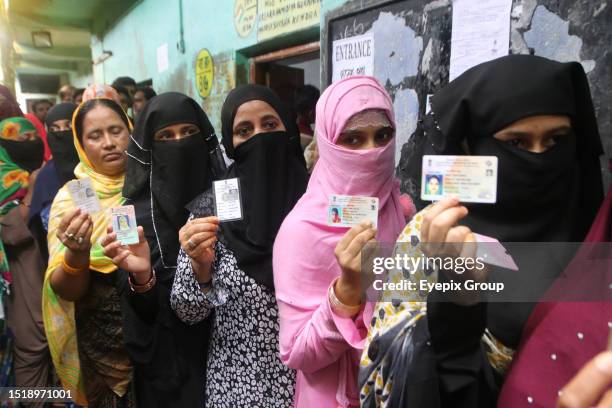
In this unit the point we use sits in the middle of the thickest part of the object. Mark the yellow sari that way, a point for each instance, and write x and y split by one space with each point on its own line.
58 314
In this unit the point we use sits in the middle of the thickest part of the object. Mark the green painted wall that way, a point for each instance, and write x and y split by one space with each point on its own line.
135 38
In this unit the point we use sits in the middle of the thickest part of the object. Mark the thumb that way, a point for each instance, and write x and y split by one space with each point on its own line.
141 237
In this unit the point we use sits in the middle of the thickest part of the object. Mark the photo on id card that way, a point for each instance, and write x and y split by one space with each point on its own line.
124 224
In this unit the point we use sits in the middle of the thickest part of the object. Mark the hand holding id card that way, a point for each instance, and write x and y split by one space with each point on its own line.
124 224
472 179
84 195
348 211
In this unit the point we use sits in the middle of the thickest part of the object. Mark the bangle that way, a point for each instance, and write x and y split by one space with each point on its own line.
143 288
71 270
338 307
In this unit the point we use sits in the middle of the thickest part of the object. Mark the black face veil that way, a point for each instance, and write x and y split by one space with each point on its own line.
162 177
272 174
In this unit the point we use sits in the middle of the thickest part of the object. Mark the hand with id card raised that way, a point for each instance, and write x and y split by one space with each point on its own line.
134 259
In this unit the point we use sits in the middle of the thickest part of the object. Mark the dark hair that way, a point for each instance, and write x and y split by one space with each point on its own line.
123 90
40 101
78 92
433 176
124 81
335 210
305 99
88 106
149 93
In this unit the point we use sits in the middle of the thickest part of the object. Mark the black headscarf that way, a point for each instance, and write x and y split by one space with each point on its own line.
272 174
541 197
65 156
162 177
549 196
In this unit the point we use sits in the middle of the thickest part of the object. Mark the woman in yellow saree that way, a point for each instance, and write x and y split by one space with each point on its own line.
81 302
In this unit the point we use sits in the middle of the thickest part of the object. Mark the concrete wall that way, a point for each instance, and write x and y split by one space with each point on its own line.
134 41
562 30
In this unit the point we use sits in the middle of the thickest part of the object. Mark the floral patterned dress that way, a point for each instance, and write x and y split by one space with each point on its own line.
244 367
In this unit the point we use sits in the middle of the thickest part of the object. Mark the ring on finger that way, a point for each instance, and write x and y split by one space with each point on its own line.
191 244
70 236
80 240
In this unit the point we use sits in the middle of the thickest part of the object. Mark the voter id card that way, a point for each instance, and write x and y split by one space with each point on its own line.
124 224
84 195
472 179
227 199
348 211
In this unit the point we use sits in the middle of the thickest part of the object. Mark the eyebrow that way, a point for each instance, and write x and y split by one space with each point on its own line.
243 123
269 116
548 132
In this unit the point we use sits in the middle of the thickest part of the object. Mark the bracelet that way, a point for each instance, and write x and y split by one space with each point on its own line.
71 270
143 288
338 307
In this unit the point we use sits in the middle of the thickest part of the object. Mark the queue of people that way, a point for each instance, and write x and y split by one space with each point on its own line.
269 309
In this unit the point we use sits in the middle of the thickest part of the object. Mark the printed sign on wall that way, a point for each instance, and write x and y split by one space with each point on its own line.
245 16
204 73
278 17
353 56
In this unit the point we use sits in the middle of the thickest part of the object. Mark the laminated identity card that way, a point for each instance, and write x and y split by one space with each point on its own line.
84 195
227 199
472 179
348 211
124 224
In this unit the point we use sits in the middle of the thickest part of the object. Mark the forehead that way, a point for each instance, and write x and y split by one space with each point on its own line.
254 110
101 116
368 118
538 123
60 122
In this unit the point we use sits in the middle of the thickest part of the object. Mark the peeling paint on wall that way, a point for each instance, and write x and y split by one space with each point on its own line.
549 37
224 81
397 48
406 106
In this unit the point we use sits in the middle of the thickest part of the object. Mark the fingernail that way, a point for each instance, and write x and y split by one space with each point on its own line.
604 362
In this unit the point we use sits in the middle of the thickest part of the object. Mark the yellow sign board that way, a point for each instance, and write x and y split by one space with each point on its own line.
276 17
204 73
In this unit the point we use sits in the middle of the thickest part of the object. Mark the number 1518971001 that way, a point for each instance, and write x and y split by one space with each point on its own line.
46 394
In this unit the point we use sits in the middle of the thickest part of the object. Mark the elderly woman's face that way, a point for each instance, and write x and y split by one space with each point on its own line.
105 140
536 134
367 130
252 118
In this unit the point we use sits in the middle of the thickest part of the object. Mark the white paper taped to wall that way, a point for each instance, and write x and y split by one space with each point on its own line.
480 33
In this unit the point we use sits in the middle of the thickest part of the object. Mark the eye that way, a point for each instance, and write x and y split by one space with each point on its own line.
383 136
270 124
190 130
243 131
351 140
94 136
115 130
515 142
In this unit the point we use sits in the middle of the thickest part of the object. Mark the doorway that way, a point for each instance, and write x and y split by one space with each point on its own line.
287 70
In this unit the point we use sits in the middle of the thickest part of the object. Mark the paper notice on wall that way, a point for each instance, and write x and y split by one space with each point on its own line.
353 56
480 33
162 58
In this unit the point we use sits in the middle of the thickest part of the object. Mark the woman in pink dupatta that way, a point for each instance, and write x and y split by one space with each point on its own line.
317 337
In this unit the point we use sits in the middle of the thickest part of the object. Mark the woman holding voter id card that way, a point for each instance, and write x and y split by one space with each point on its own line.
317 262
81 299
537 118
168 166
225 264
